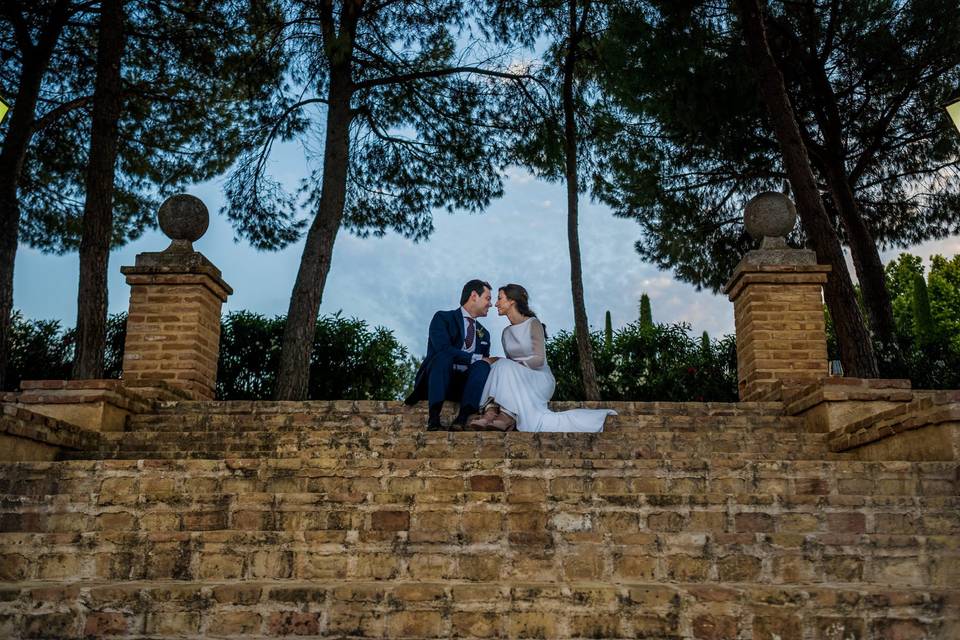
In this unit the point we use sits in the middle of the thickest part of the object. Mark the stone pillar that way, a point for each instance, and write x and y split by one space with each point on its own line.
173 323
777 295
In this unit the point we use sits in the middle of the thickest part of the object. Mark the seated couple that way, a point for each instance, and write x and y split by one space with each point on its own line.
495 394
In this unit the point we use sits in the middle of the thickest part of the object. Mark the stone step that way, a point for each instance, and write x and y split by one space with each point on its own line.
444 476
616 435
448 515
314 443
898 561
309 408
415 420
399 425
221 453
380 425
284 494
462 609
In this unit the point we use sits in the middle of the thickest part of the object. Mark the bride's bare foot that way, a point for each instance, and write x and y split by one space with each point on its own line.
504 422
482 423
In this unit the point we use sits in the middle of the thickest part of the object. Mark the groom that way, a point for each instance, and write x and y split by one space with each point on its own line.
457 362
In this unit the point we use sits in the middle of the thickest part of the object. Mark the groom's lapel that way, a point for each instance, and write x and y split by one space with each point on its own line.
458 323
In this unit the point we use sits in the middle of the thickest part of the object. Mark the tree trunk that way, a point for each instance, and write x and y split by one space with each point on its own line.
831 160
98 207
294 377
36 58
581 326
869 267
856 349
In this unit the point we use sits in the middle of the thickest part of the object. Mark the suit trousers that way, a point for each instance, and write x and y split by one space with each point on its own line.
447 383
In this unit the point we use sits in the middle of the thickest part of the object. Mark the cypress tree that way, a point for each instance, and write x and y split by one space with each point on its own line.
646 314
923 328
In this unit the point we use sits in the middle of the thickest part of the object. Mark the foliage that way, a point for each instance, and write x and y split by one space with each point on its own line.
38 351
930 339
944 291
655 363
930 346
693 150
249 356
192 77
349 360
43 350
414 144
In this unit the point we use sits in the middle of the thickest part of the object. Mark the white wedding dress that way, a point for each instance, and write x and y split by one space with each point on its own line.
522 384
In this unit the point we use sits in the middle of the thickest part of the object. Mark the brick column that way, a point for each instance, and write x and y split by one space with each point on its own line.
173 322
778 309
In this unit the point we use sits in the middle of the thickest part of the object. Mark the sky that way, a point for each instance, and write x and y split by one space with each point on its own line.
398 284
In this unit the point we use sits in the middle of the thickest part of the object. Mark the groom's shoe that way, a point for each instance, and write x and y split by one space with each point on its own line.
466 412
433 422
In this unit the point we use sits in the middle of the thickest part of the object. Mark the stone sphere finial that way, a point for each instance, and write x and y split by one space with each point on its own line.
184 219
770 215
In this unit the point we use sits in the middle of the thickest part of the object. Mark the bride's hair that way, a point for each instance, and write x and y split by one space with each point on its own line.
519 295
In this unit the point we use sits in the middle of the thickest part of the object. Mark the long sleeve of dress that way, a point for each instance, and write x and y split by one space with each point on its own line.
538 355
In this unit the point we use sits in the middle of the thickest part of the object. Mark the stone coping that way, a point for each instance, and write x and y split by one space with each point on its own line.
928 409
139 388
205 275
114 392
746 274
840 389
23 423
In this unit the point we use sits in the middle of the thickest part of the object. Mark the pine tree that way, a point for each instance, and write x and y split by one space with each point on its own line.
88 173
395 106
700 151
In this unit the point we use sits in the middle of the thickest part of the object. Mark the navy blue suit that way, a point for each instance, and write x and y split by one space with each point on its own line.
436 379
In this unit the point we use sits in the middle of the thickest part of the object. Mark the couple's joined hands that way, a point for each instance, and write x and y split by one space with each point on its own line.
490 359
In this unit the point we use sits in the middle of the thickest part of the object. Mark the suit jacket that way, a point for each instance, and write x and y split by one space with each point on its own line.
446 337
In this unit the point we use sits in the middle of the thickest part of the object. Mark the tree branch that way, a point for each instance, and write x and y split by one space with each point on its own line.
276 125
880 130
60 110
437 73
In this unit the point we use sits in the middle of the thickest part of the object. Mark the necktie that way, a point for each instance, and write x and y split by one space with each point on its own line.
470 333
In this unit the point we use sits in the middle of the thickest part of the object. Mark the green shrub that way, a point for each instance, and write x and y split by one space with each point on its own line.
350 361
649 362
39 350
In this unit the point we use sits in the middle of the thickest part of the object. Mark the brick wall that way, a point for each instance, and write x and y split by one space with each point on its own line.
173 328
781 332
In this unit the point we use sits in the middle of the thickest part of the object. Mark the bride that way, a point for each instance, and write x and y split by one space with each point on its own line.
520 385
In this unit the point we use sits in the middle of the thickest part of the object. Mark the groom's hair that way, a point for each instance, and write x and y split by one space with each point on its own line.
473 286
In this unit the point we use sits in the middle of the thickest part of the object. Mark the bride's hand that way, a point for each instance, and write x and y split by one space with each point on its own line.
490 359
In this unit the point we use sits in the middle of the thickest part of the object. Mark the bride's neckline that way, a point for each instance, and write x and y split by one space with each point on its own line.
522 322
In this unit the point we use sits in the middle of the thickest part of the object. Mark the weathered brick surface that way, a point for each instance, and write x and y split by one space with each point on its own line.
376 529
781 333
173 327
